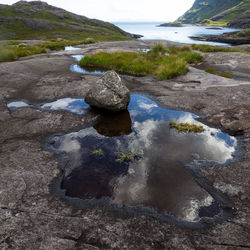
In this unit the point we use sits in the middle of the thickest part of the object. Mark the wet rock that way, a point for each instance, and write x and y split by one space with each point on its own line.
51 223
236 119
228 188
199 106
109 93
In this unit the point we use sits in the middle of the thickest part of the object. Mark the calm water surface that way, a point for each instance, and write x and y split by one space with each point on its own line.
154 175
175 34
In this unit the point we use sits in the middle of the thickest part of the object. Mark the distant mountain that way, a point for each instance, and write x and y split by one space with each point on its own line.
38 20
233 13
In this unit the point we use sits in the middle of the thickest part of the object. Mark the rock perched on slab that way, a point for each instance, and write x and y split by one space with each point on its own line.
109 93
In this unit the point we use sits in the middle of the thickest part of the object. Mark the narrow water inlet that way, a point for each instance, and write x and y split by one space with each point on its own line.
135 159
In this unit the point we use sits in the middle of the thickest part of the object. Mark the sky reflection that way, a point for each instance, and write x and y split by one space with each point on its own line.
159 179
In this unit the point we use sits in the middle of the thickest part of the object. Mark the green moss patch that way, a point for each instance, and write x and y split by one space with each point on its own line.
211 70
186 127
98 152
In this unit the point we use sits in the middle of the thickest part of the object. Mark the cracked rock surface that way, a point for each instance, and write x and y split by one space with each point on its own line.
32 218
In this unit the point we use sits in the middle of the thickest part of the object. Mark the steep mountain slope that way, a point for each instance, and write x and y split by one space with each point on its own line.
234 13
38 20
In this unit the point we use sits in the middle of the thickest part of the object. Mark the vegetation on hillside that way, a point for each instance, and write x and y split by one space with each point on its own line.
163 62
218 12
241 34
38 20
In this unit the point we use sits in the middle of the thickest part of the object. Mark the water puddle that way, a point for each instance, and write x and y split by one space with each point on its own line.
70 48
133 159
17 104
143 50
78 58
77 69
75 105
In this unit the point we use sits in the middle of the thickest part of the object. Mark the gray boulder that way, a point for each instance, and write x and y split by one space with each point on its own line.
109 93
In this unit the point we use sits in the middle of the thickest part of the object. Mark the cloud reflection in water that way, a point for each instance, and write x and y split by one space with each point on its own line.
159 179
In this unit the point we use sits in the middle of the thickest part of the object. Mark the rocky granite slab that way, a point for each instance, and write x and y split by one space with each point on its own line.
32 218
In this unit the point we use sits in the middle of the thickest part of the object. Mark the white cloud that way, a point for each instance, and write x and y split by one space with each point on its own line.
121 10
147 106
19 104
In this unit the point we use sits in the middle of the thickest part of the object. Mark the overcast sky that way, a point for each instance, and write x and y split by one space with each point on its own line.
123 10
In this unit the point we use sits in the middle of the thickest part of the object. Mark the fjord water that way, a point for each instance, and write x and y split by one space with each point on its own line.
175 34
155 173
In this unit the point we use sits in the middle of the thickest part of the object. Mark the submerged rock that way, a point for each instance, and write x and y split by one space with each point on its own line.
109 93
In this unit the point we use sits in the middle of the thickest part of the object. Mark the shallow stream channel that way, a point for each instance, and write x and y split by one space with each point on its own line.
134 163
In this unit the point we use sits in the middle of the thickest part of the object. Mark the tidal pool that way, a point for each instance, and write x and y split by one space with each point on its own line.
134 159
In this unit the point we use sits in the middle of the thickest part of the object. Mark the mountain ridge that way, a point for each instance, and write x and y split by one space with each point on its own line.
232 13
39 20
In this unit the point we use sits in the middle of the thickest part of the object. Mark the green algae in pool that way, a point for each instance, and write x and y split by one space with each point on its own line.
143 160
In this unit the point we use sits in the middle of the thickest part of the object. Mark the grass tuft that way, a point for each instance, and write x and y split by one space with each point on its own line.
208 48
140 64
211 70
128 156
172 67
89 40
98 152
186 127
225 74
13 52
159 48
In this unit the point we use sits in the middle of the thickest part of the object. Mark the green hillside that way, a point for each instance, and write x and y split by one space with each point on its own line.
234 13
38 20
